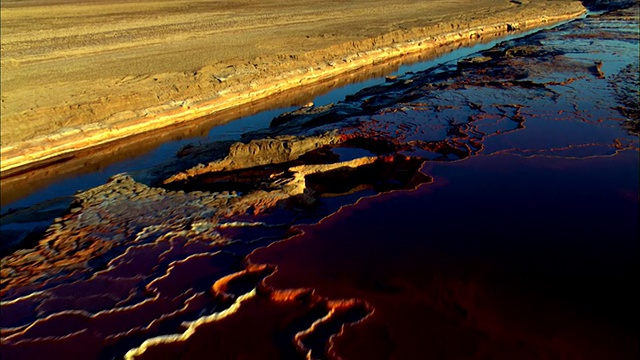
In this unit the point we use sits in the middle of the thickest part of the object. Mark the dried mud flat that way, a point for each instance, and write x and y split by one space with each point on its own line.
483 208
78 74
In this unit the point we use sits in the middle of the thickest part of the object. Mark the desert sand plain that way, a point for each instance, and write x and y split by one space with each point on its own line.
78 73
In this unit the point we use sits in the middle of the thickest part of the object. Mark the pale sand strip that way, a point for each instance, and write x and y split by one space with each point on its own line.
128 123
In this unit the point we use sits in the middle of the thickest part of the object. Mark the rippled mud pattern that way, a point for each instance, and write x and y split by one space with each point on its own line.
484 208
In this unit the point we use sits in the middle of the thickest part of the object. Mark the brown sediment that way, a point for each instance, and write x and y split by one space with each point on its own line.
93 118
260 152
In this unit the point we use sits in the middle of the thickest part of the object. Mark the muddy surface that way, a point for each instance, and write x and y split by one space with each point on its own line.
483 208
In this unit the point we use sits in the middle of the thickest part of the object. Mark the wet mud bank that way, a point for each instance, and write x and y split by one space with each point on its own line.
486 207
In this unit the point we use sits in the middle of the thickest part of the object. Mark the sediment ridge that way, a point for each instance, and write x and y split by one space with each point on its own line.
199 93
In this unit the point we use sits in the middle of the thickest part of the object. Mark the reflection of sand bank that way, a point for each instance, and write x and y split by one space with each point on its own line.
141 93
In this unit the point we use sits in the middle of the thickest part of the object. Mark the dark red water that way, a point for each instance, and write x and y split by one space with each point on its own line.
480 264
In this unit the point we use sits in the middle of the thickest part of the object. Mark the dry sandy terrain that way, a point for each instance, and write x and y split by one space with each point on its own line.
81 72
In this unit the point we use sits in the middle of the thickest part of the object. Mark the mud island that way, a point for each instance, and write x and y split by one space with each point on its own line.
77 74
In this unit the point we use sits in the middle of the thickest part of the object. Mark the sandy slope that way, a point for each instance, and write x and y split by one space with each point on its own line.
89 71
